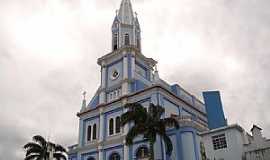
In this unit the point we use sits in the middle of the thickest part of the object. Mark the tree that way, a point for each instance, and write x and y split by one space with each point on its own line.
40 149
149 124
203 153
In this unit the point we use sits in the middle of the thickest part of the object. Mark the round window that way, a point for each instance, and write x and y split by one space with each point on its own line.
115 74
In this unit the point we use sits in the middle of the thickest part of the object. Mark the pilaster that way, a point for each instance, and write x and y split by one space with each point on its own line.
80 139
125 75
102 95
100 153
101 125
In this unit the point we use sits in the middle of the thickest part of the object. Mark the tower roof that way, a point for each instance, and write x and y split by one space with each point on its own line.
125 13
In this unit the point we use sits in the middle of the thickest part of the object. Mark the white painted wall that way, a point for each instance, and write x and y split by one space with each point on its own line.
234 150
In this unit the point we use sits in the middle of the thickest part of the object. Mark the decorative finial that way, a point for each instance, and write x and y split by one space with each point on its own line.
84 101
84 94
116 12
136 14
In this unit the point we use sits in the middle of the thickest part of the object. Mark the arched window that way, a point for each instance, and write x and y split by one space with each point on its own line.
94 131
111 127
142 153
89 133
126 39
114 156
90 158
118 127
115 41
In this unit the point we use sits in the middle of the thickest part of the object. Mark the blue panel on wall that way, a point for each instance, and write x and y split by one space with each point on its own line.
175 89
94 102
214 109
139 85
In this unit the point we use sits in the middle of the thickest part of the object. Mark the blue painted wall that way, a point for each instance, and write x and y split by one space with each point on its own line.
214 109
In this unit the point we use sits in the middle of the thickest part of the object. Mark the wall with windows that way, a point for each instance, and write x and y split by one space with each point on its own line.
91 130
224 143
112 121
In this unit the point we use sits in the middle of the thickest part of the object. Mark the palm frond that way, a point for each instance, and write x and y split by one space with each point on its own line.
170 122
39 139
59 148
156 111
127 117
136 113
168 144
133 132
31 145
32 157
59 156
33 150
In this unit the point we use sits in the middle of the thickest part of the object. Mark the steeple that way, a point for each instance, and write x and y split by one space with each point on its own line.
126 28
125 13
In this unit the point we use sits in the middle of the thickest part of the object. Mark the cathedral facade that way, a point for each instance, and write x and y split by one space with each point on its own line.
128 76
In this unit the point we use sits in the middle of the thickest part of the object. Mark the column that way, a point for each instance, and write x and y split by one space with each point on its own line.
101 134
126 128
133 65
125 75
100 153
80 140
101 125
102 95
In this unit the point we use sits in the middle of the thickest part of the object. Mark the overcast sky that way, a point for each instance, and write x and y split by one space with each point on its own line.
49 49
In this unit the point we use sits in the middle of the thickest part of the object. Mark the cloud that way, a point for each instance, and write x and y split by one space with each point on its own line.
48 53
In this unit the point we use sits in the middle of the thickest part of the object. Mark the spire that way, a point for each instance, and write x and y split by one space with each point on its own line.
84 101
125 13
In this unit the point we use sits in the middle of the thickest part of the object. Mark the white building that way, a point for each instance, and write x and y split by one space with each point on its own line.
258 147
234 143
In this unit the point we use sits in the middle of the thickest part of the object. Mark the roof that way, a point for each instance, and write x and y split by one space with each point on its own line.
125 13
233 126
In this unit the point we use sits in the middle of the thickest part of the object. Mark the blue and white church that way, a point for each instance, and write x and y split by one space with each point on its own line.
128 76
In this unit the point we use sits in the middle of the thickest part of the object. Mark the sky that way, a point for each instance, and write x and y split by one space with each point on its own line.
49 50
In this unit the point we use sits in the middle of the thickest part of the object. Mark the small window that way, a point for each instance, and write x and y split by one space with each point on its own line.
118 125
111 127
115 41
219 141
126 39
114 156
94 132
138 43
142 153
89 133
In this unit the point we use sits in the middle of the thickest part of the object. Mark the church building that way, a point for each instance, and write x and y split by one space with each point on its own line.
128 76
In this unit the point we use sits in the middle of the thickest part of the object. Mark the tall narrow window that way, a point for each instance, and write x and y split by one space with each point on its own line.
89 133
118 127
94 131
115 41
126 39
138 43
111 127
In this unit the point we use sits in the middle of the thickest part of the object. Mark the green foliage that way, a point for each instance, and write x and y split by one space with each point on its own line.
40 149
203 153
149 124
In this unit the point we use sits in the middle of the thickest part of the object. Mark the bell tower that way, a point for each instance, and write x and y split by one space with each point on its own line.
126 28
125 68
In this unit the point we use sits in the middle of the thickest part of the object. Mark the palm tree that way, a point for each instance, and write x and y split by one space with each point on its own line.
149 124
40 149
